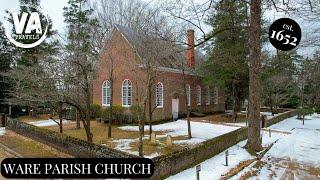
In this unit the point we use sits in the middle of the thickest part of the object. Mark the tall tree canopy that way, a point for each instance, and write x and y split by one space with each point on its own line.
227 66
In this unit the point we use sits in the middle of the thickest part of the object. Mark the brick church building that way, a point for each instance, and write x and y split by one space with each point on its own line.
122 58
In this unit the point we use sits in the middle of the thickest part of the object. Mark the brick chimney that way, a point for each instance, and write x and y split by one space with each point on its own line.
190 50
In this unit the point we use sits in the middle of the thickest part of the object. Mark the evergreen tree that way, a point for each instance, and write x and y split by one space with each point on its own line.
227 66
30 56
82 56
5 62
279 81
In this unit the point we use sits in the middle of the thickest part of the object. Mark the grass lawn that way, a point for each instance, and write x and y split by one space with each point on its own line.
99 131
28 147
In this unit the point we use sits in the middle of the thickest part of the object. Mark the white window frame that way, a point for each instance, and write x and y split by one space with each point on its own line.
208 96
198 95
161 100
188 91
128 102
216 95
106 89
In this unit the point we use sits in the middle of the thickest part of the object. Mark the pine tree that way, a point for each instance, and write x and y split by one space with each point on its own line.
228 65
5 62
30 56
81 54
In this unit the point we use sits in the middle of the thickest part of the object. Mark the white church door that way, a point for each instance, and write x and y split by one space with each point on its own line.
175 108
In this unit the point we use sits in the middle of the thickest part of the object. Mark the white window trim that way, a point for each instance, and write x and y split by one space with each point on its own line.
122 93
157 95
198 95
188 94
102 89
208 96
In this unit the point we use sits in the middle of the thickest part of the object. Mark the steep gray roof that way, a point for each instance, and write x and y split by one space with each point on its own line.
173 60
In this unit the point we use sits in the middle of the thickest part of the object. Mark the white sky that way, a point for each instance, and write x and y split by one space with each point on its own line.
54 8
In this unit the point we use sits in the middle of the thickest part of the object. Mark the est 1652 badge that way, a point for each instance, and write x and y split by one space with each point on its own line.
285 34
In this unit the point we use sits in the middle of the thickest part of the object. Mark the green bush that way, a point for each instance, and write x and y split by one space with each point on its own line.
317 109
136 109
118 112
95 111
105 113
304 111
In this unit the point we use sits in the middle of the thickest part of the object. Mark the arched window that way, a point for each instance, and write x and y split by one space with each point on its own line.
216 95
159 95
188 90
106 93
208 96
126 93
198 95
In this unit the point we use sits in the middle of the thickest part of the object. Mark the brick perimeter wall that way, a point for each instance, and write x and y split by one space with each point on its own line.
73 146
281 117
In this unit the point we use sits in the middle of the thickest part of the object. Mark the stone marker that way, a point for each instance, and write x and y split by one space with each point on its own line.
153 138
169 141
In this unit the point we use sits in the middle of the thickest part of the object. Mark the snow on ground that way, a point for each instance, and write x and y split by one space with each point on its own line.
300 150
302 146
214 167
2 131
200 131
124 145
48 122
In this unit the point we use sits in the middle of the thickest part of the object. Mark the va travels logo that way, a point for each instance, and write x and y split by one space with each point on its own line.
26 27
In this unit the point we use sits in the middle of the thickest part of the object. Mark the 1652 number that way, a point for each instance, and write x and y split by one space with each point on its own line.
279 37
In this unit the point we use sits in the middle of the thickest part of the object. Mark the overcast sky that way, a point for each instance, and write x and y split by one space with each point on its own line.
54 8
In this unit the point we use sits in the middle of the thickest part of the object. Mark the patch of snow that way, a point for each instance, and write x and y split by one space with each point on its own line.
214 167
153 155
242 124
201 131
2 131
302 145
124 144
48 122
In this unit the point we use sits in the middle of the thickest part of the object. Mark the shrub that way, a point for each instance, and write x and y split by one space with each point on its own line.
105 113
136 111
118 112
95 111
317 109
304 111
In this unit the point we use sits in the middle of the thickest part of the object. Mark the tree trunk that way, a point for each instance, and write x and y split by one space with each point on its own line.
60 118
150 111
186 104
234 102
87 124
77 120
189 124
254 143
111 109
140 144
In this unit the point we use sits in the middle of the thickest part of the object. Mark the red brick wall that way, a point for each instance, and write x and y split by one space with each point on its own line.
126 67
